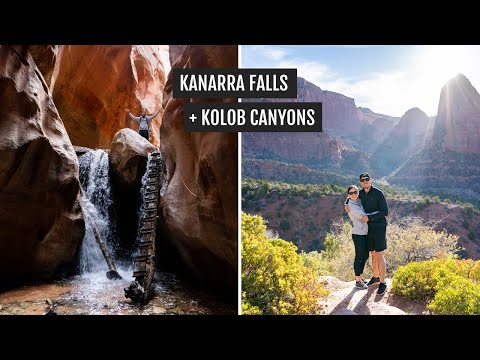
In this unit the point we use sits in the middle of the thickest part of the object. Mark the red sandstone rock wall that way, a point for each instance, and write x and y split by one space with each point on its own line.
457 127
340 114
96 83
200 201
408 137
292 146
40 218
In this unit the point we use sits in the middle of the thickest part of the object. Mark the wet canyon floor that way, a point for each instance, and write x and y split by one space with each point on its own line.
94 294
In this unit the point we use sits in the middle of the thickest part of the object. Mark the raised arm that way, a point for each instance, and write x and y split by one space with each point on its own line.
152 116
131 116
134 117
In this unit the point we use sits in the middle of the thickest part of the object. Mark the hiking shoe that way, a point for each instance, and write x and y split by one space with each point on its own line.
373 281
360 285
364 281
381 289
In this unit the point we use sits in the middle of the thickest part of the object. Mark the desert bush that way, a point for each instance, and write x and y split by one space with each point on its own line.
461 297
274 277
449 286
421 280
315 261
408 239
469 210
412 239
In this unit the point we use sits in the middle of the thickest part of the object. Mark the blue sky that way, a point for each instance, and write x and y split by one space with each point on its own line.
388 79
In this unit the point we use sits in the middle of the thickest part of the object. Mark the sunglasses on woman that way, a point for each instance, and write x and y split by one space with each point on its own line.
353 192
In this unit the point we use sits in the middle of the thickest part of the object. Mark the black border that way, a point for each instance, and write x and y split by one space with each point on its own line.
232 23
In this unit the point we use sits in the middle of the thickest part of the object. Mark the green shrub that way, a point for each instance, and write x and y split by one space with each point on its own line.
448 285
469 210
407 241
461 297
331 247
274 277
315 261
421 280
248 309
284 225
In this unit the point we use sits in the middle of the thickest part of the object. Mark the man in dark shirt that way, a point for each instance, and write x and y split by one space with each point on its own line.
374 201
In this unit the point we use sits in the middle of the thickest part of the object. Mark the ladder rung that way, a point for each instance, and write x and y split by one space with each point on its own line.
147 231
144 257
145 243
140 273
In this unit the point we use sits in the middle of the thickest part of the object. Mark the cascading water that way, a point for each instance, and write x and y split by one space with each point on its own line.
92 292
97 202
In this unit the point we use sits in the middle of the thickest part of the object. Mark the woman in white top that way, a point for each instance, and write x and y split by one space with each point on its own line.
359 235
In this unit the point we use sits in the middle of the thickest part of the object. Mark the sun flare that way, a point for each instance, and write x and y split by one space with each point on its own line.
439 63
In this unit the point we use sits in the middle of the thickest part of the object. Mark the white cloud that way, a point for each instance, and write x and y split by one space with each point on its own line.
269 52
390 92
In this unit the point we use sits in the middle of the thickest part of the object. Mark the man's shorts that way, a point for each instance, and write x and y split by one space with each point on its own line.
377 237
143 133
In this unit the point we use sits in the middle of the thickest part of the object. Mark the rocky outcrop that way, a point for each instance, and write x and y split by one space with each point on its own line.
40 218
128 161
323 150
292 147
199 204
175 52
374 128
366 115
450 160
291 173
339 112
96 83
406 139
128 157
457 126
344 299
47 59
340 115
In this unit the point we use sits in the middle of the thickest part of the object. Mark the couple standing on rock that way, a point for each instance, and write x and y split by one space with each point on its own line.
367 209
143 120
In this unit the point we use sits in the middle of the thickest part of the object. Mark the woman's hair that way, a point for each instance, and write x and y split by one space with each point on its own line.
351 187
348 190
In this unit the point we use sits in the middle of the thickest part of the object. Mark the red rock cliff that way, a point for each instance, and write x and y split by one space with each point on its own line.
200 201
40 218
340 114
96 83
407 138
450 159
457 127
294 147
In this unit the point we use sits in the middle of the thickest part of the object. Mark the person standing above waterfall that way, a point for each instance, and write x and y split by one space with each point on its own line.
143 120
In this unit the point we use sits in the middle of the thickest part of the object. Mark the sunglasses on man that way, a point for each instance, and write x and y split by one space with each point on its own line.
364 179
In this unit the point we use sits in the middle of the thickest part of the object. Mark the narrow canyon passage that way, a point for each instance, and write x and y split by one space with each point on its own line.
64 129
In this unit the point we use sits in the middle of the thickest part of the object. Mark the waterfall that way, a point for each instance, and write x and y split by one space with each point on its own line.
97 202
